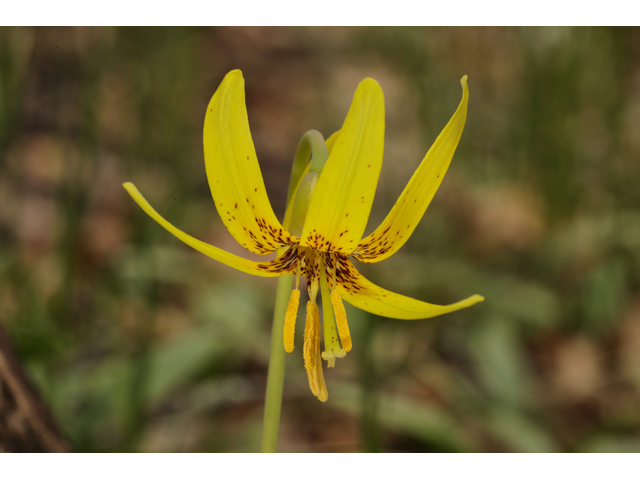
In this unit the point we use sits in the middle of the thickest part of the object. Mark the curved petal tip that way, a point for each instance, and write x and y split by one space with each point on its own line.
234 73
475 299
369 82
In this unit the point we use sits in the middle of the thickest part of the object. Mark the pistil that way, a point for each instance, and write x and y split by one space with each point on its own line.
332 349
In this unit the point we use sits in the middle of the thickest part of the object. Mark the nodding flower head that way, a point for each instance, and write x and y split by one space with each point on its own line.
326 217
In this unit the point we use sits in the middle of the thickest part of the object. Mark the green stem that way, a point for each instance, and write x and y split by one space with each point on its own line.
369 396
275 377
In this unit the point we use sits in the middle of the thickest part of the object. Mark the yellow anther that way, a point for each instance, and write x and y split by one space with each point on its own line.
341 320
322 392
311 353
311 336
290 320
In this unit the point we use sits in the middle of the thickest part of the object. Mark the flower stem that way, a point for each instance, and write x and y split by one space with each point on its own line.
312 144
275 377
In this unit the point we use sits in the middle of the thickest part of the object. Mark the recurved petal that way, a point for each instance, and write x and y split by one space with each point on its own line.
342 199
234 174
361 293
396 229
283 264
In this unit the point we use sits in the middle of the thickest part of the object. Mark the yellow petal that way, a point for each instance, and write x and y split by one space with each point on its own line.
285 263
234 174
341 202
396 229
361 293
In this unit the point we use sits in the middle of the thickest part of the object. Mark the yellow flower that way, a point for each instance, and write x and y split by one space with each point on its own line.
318 244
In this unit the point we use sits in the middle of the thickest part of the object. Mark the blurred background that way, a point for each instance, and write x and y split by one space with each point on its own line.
138 343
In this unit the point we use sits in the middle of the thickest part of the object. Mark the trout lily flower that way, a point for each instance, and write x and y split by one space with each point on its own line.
325 219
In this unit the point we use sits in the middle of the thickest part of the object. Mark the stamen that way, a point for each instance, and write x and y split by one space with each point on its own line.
322 394
290 320
341 320
313 274
311 336
311 353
